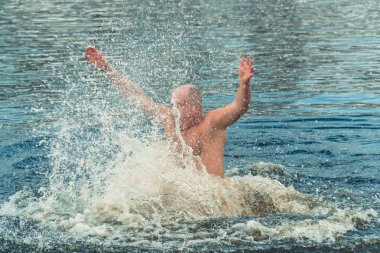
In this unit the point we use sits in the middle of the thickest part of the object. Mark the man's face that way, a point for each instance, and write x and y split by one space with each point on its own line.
189 106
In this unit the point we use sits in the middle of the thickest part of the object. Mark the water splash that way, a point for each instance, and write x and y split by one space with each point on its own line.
115 174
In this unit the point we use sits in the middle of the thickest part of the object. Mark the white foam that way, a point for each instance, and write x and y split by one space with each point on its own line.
318 230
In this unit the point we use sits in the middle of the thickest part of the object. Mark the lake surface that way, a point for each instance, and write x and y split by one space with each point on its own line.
84 171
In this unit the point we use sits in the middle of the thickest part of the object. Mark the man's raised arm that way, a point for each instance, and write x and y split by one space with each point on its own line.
129 89
223 117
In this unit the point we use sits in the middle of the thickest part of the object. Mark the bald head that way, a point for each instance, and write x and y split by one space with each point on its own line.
188 101
187 93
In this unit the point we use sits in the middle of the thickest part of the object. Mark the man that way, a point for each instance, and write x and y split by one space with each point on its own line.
205 134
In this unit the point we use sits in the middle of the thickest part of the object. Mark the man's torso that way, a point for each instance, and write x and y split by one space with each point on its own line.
207 143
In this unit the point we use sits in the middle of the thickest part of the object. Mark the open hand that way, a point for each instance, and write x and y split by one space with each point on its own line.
96 57
246 69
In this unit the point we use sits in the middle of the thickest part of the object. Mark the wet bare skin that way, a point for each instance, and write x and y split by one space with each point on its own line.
208 143
197 129
204 133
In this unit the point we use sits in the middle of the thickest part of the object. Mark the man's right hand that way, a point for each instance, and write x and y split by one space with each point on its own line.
96 58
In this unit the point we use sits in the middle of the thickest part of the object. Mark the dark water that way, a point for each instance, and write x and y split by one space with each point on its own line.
315 111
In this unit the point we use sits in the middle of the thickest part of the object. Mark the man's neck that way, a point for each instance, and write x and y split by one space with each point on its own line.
194 123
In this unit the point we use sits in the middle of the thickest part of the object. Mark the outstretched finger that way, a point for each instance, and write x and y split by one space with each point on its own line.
249 61
242 61
92 50
89 46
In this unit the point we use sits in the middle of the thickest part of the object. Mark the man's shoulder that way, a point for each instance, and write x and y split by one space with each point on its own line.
210 121
212 118
212 114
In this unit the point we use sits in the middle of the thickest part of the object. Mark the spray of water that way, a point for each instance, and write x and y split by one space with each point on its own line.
112 169
110 164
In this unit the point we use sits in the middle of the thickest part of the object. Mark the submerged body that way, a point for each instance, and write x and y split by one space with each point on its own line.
206 133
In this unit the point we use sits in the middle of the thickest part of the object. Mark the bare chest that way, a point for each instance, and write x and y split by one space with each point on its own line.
204 142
